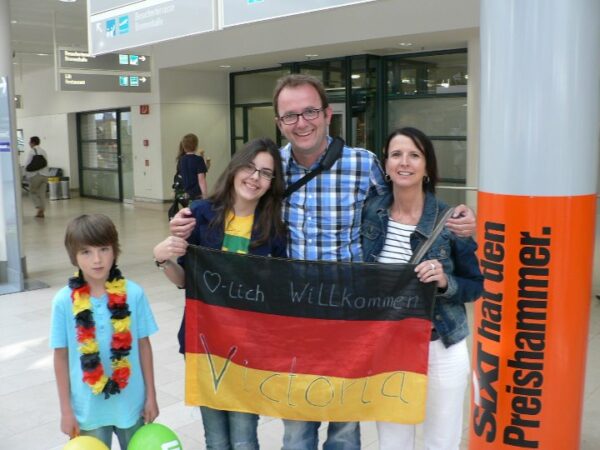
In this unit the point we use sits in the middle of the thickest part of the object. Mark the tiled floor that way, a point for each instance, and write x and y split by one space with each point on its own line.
29 414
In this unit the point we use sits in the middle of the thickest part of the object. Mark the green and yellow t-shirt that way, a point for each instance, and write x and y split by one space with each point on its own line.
237 233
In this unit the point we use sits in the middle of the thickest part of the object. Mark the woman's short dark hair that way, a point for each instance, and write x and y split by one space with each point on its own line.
223 196
425 145
95 230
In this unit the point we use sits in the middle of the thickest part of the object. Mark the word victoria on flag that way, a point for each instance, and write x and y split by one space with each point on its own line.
315 341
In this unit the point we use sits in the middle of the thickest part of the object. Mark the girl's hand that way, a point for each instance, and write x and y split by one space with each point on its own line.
183 223
69 425
430 271
171 247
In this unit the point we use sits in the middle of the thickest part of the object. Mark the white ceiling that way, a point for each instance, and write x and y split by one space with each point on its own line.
37 24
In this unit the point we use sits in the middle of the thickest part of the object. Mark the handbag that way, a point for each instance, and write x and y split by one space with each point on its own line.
38 162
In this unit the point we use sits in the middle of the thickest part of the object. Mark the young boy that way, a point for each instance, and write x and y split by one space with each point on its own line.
100 331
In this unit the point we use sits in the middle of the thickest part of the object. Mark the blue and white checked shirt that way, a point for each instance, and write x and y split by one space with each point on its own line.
324 215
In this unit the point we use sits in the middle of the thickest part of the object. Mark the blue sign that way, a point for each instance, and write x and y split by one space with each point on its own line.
111 28
123 24
134 80
123 80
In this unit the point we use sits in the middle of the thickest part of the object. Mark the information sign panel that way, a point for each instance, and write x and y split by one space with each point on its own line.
96 82
237 12
145 22
75 59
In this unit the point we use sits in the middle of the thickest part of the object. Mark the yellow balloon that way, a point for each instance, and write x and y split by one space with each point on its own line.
85 443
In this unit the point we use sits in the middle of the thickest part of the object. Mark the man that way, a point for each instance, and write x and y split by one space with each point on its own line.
323 216
38 179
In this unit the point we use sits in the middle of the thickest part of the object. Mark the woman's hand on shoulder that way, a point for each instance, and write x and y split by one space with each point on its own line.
171 247
463 222
430 271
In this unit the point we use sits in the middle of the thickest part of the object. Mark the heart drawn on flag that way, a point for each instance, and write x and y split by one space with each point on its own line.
212 280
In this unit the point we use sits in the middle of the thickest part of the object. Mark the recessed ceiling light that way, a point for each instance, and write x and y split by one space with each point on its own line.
355 76
13 21
42 54
405 44
225 66
68 1
311 55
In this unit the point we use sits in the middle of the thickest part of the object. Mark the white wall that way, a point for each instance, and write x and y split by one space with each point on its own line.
194 102
182 102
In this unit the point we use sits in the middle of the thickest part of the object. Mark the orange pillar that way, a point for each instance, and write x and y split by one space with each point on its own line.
540 102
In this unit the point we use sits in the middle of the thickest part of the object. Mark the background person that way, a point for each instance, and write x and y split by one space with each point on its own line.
393 226
192 168
243 215
38 179
100 330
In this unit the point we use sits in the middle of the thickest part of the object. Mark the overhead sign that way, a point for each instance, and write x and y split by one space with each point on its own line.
96 82
74 59
118 24
238 12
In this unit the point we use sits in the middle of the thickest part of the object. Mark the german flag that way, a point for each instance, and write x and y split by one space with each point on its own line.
306 340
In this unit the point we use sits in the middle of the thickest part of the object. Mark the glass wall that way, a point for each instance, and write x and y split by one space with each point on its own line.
370 96
428 91
104 136
252 110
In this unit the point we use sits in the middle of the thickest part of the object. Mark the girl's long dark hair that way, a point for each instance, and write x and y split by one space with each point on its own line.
269 206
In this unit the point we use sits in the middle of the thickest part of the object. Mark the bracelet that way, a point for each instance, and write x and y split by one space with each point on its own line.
161 264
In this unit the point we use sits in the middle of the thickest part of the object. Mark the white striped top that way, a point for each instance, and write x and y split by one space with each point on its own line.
396 248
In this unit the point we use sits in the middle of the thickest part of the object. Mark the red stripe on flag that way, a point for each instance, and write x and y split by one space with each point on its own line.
349 349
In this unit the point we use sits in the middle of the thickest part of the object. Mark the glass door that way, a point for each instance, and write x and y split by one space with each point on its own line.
126 156
105 154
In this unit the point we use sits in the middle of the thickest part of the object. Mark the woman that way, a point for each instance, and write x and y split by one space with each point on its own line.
242 215
393 226
192 168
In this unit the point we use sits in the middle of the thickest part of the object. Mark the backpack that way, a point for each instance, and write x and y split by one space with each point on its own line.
38 162
181 198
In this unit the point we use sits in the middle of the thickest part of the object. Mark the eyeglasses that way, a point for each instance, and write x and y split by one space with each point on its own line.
308 114
250 168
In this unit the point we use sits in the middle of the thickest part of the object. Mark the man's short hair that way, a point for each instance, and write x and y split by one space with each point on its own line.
295 80
95 230
34 140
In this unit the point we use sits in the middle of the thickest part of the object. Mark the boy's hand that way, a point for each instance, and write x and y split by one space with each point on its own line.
150 410
69 425
462 223
182 224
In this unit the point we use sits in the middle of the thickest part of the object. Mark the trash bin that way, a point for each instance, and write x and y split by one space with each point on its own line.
65 188
54 188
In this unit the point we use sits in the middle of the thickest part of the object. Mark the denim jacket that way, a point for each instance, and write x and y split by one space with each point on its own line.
457 256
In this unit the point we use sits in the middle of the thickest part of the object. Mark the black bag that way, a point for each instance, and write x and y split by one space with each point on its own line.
38 162
181 198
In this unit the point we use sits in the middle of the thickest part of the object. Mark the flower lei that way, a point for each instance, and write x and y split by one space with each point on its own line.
93 371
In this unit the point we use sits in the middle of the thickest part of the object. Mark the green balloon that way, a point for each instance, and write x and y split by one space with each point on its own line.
154 436
85 443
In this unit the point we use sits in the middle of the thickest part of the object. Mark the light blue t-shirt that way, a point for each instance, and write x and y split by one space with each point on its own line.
93 411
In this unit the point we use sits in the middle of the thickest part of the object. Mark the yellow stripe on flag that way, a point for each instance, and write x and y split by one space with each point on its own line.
221 384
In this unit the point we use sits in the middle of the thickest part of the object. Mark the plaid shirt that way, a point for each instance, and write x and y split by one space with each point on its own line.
324 215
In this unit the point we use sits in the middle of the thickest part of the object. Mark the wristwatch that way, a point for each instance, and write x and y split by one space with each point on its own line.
161 264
